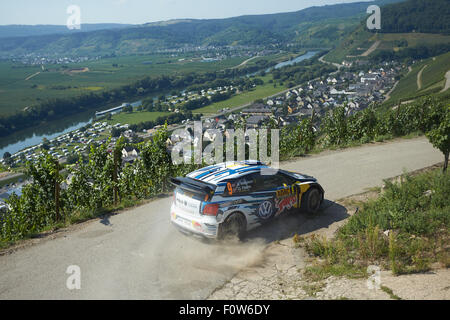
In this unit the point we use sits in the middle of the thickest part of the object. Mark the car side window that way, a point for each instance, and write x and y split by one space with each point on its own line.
240 186
270 182
289 180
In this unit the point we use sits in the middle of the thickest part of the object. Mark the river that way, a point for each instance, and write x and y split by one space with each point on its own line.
305 56
33 136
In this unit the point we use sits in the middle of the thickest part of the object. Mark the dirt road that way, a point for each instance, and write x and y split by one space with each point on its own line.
138 255
245 62
447 81
372 48
419 77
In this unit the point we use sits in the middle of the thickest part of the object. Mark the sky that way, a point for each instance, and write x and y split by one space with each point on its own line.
31 12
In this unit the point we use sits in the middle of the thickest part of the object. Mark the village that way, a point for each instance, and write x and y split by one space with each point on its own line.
356 89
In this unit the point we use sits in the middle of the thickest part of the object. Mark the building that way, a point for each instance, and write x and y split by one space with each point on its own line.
257 109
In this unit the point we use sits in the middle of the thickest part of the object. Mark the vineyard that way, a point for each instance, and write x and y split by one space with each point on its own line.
101 181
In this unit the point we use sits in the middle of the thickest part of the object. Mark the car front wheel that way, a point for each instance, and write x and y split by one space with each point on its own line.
311 201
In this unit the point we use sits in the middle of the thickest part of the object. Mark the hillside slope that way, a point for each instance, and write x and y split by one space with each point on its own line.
12 31
414 28
309 26
425 16
429 74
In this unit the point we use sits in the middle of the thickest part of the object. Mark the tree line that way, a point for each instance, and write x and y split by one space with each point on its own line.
426 16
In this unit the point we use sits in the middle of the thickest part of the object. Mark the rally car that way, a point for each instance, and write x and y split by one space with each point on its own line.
234 197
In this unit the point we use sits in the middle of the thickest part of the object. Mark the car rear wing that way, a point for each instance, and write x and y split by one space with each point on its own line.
193 185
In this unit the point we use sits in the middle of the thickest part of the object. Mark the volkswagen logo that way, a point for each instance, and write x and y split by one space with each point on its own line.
265 210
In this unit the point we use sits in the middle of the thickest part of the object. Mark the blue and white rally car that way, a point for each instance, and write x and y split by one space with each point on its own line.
234 197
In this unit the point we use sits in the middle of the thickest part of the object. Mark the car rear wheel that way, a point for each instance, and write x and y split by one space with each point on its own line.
311 201
233 227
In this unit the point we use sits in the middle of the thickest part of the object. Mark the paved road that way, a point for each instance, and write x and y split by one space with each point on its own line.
139 255
337 65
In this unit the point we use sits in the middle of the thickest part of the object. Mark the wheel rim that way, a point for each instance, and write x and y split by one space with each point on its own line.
233 226
314 200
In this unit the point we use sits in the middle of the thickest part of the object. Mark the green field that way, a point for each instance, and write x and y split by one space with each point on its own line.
267 89
433 79
135 117
389 40
434 73
57 81
263 91
407 86
360 40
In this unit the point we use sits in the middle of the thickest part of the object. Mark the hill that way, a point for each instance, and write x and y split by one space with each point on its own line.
12 31
315 26
415 28
425 77
424 16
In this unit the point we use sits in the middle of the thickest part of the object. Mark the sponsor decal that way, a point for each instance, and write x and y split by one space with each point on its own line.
284 192
240 186
197 225
285 203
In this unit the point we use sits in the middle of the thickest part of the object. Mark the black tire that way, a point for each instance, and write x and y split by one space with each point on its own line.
233 228
311 201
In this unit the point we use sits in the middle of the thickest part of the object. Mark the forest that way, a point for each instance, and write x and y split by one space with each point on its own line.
426 16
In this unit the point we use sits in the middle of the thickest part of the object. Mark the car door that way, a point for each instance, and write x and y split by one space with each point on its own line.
277 193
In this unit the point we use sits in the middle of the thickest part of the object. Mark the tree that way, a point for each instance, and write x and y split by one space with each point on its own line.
128 109
45 144
440 138
115 132
306 134
72 159
335 126
7 158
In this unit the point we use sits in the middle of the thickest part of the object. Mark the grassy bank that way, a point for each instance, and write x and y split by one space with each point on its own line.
11 180
405 230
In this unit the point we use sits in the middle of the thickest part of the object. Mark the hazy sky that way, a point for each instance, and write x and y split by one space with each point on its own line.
142 11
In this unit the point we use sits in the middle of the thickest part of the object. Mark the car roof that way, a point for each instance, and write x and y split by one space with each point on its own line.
226 170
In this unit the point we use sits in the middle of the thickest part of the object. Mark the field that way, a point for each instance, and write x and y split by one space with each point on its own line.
22 86
408 84
434 73
259 92
135 117
390 40
432 79
360 40
265 90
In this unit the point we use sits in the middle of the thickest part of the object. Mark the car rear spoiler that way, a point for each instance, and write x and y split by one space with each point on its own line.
194 185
